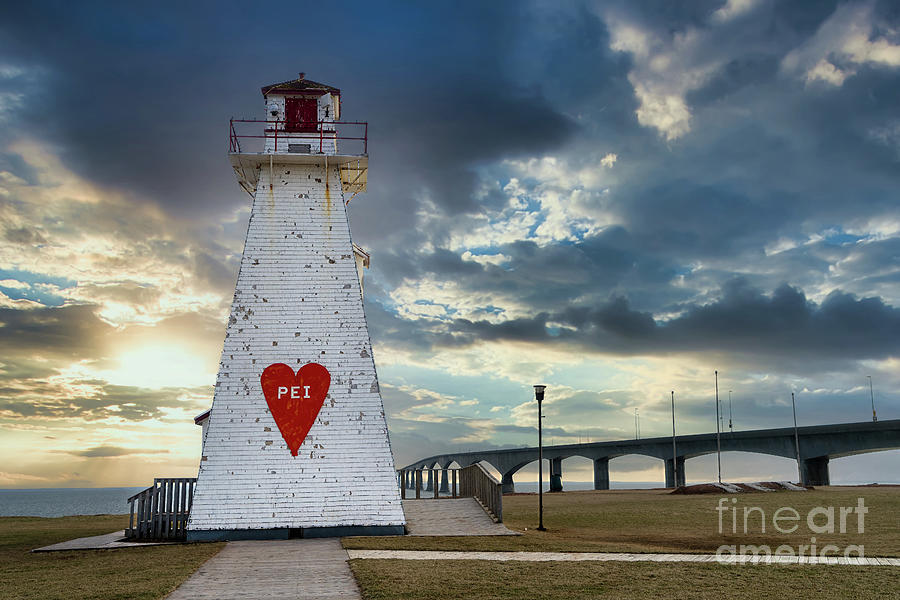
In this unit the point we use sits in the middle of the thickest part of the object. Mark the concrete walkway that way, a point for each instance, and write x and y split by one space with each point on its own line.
107 541
617 557
312 569
450 516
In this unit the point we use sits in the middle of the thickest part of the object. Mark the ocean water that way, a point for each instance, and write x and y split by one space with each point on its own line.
62 502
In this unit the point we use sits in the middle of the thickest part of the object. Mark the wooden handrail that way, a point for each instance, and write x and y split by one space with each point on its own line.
474 482
161 511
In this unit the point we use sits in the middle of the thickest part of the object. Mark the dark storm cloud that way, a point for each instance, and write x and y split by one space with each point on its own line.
743 321
45 400
72 331
449 131
544 277
110 451
143 105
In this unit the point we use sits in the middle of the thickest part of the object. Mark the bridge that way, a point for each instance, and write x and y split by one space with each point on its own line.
818 445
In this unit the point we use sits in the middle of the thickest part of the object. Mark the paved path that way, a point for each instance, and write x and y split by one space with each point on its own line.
107 541
450 516
311 569
616 557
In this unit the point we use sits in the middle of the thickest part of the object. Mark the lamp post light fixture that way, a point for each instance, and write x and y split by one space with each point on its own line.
539 396
872 395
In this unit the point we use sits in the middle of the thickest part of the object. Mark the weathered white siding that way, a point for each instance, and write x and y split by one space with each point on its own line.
297 300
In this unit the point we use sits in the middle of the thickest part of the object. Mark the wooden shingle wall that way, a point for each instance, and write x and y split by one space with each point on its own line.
297 300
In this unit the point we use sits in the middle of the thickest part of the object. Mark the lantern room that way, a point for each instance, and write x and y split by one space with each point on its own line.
302 113
301 126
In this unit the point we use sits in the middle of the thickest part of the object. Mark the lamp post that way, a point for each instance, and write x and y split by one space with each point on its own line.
797 439
872 395
718 431
539 395
674 451
730 421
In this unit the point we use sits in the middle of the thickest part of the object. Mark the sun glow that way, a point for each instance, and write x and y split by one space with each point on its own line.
160 366
155 367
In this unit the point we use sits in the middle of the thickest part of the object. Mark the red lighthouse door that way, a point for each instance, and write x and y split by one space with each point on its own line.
301 114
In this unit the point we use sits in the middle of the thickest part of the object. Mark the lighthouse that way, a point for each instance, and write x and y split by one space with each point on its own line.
296 443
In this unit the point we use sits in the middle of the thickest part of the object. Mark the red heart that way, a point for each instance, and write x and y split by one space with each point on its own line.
295 400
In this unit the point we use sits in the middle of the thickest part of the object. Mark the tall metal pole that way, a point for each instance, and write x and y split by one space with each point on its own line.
718 430
730 420
674 452
539 394
872 394
797 439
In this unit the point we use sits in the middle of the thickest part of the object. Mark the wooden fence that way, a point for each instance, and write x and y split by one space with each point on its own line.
161 511
474 482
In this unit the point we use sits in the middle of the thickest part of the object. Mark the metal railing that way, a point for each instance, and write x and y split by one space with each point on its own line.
319 136
161 511
473 481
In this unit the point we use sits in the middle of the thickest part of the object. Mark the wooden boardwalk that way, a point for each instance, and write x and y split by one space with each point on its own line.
450 516
107 541
311 569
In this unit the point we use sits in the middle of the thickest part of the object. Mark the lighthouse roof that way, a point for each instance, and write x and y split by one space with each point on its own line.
301 84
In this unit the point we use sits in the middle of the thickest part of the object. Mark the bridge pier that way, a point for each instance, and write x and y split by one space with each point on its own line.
556 474
445 484
601 473
814 471
429 487
507 486
670 475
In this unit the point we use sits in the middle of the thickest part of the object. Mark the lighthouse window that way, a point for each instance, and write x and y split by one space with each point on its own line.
301 114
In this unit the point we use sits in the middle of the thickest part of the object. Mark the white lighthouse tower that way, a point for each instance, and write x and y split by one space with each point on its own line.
296 443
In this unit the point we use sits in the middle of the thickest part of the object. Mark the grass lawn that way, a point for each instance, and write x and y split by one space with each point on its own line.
656 521
475 580
150 572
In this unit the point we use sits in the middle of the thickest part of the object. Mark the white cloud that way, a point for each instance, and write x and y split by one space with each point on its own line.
665 69
842 44
827 72
14 284
733 9
609 160
486 259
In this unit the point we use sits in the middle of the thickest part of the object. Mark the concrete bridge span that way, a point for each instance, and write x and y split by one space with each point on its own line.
818 444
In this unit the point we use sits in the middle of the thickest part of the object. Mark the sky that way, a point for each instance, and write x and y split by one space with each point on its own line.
615 199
